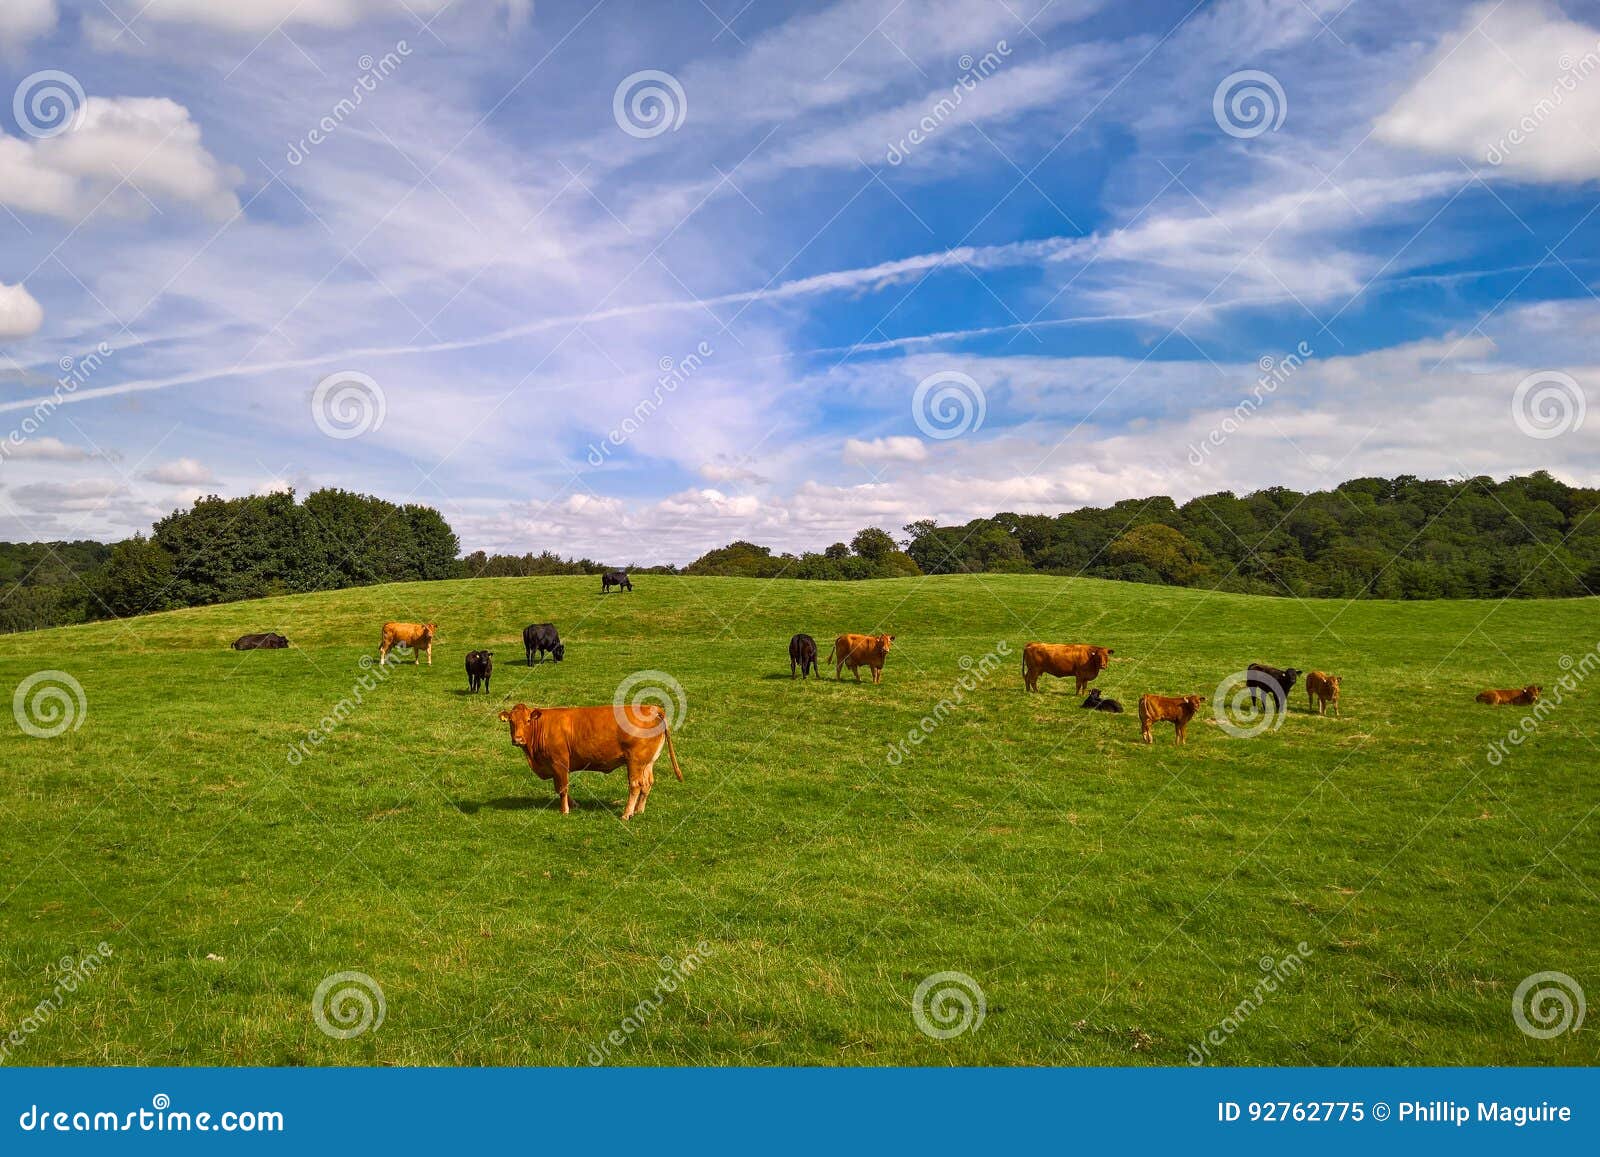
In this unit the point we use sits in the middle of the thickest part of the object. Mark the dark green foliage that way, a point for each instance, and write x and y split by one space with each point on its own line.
1405 538
223 550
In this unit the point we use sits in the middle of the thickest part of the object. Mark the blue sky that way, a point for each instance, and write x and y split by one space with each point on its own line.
633 280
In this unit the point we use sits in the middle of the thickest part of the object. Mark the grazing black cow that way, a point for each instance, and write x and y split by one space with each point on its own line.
543 637
267 642
802 654
614 578
479 667
1096 702
1261 678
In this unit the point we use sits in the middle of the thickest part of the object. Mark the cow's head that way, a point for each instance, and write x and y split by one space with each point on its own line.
1192 704
1533 692
524 722
560 652
883 643
1290 676
427 631
1101 655
1333 683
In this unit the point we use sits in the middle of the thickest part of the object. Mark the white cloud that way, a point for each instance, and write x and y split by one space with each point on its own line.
48 450
20 314
25 20
84 494
263 16
126 153
898 449
1517 86
180 472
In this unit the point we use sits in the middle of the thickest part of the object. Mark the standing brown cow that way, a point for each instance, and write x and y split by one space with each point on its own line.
1322 690
1079 660
856 651
417 636
1165 709
561 740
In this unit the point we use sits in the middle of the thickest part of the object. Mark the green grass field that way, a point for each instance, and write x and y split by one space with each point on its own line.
1114 902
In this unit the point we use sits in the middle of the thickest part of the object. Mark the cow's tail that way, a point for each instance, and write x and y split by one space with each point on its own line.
671 754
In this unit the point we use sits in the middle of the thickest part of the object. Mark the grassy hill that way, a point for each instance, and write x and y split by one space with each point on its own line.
1115 903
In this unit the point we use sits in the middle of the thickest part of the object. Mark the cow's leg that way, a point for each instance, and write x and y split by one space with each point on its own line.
383 653
1180 727
791 666
1144 732
430 652
838 668
560 774
638 768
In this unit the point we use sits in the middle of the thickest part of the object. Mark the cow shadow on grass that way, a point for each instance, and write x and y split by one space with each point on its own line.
517 803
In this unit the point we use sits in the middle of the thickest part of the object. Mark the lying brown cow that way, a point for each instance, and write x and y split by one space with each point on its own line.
856 651
1167 709
1520 697
1322 690
1079 660
417 636
561 740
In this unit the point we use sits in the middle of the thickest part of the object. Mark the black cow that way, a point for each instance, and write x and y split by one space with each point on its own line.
614 578
543 637
267 642
802 654
1261 678
479 667
1095 702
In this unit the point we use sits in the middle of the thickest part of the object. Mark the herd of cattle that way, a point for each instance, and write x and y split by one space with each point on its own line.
560 740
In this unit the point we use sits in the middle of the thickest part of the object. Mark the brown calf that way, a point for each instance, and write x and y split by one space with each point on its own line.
417 636
856 651
1167 709
1519 696
561 740
1322 690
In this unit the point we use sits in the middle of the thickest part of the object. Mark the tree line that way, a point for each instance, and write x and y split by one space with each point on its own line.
1402 538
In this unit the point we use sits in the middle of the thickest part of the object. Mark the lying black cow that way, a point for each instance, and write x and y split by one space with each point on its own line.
614 578
802 654
543 638
1261 678
1096 702
480 665
267 642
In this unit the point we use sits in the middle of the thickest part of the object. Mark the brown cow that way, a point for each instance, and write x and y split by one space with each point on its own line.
1323 688
1164 709
856 651
1519 697
561 740
1080 660
417 636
